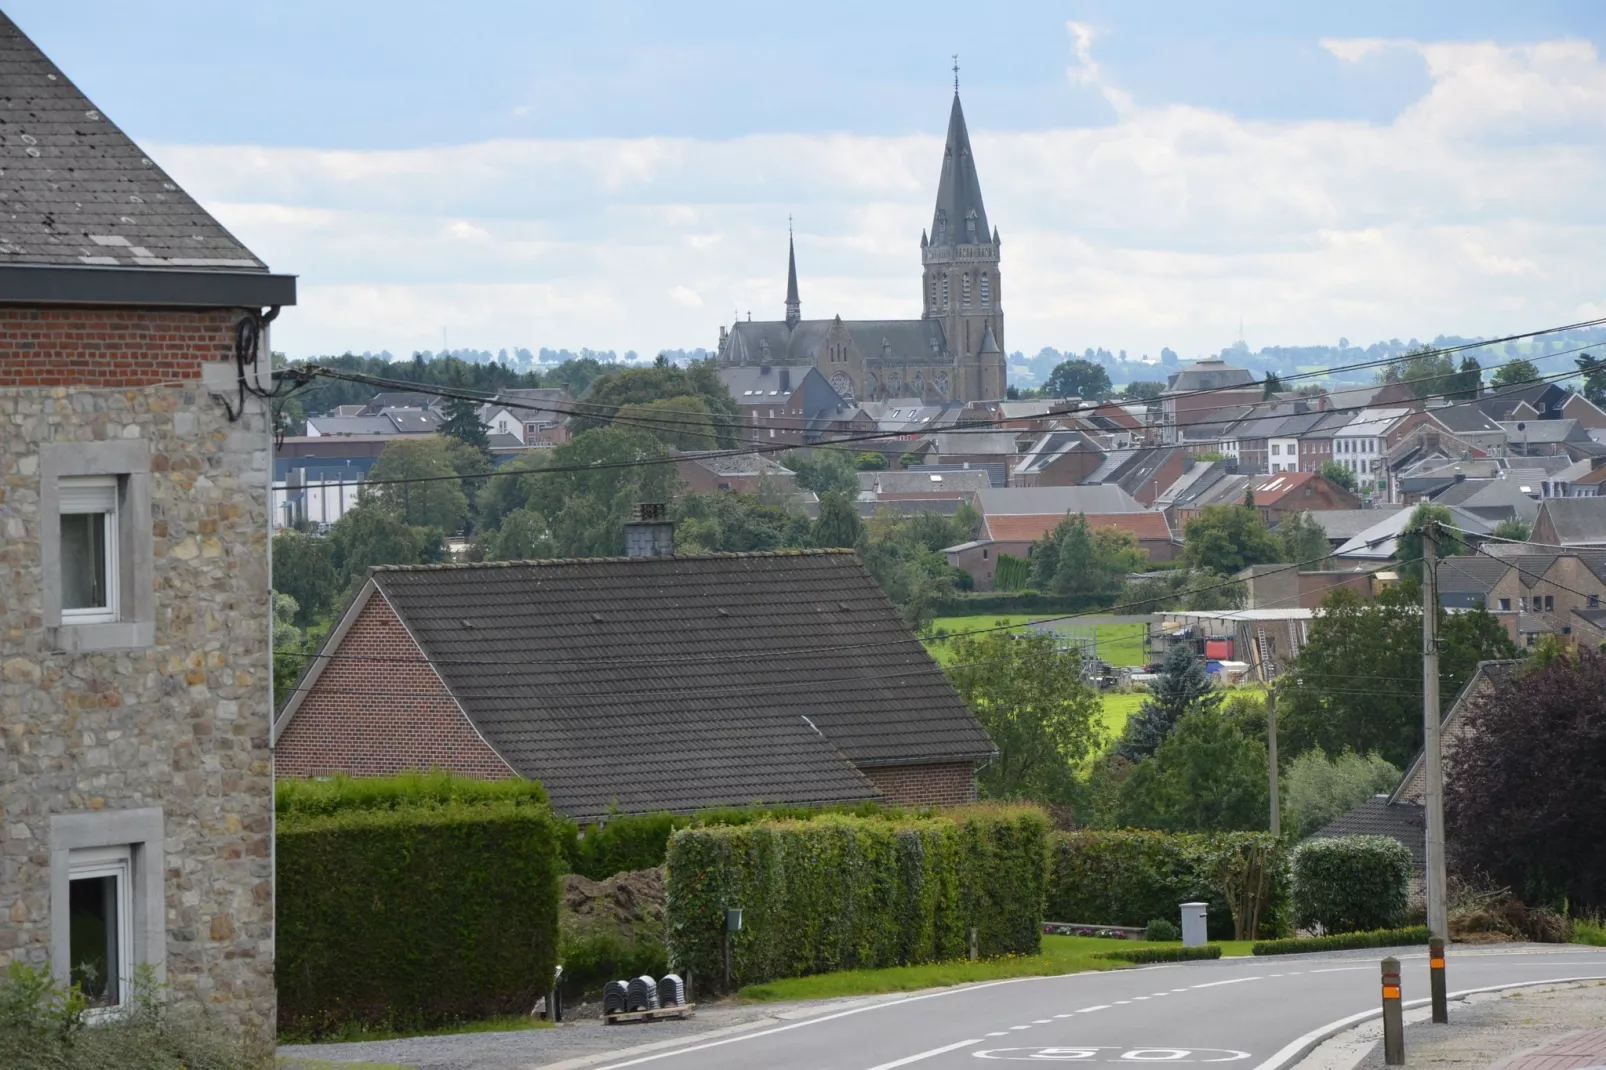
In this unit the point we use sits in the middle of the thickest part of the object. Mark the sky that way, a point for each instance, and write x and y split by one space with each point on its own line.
502 173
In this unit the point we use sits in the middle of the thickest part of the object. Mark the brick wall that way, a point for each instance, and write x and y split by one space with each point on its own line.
373 718
110 347
938 784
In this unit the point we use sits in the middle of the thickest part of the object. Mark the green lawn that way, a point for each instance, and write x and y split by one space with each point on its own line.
1061 954
1119 644
1117 708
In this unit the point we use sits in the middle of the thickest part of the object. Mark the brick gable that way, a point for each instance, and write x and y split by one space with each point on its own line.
110 347
387 715
933 784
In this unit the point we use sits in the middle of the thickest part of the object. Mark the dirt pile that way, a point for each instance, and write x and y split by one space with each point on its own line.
629 905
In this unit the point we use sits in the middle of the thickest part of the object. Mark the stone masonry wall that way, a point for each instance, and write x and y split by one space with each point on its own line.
379 708
183 724
937 784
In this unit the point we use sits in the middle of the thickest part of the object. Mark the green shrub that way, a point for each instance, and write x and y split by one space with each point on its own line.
1141 955
1012 573
1009 602
1128 877
1351 883
842 892
593 959
339 793
414 915
1344 941
1160 930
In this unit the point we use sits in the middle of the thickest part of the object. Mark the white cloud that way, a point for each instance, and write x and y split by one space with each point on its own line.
1475 211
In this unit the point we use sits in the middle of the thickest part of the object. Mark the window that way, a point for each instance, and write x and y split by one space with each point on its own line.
1275 449
1550 603
100 923
89 549
1505 605
772 432
501 426
1522 603
984 555
986 297
945 291
964 290
1594 601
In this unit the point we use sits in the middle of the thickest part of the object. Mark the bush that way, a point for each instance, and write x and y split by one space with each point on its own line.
1026 601
340 793
1160 930
1127 877
593 959
1351 883
843 892
1344 941
1140 955
416 915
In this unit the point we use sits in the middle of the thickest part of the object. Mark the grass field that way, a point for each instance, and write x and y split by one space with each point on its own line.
1061 954
1119 707
1119 644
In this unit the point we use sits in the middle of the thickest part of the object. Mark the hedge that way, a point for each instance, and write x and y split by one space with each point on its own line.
1132 877
1344 941
1142 955
1027 601
1351 883
415 915
339 793
841 892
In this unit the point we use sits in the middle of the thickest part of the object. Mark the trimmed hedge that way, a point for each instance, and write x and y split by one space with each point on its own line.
1026 601
1351 883
1143 955
413 915
1133 877
339 793
840 892
1344 941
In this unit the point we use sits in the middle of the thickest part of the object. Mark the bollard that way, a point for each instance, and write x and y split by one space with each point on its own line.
1441 1005
1393 1023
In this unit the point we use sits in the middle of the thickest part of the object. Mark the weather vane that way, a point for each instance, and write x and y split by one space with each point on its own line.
956 72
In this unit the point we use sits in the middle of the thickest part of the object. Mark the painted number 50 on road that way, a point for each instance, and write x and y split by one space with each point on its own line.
1114 1055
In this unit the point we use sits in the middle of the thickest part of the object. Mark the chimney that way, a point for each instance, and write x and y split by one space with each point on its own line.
786 380
763 369
651 533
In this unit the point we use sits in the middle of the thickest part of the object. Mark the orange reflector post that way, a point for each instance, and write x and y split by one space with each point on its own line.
1391 991
1437 964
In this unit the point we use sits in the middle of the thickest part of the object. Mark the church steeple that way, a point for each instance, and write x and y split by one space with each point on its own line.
794 307
960 217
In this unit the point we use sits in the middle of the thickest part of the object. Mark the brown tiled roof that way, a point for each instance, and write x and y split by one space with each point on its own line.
1150 525
677 683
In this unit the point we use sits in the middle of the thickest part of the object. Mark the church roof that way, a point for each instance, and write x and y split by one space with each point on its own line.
792 300
959 190
773 342
989 344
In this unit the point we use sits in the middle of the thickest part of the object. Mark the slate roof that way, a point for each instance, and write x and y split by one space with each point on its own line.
1465 419
1210 374
676 683
78 192
1378 816
1347 523
958 190
761 384
1577 520
1106 498
906 482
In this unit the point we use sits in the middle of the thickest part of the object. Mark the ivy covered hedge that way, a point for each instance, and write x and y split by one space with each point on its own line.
414 902
1351 883
841 892
1131 877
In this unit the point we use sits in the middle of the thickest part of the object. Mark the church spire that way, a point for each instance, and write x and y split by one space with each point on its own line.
960 218
794 307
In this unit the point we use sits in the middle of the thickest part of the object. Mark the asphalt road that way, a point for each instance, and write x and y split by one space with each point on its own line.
1254 1014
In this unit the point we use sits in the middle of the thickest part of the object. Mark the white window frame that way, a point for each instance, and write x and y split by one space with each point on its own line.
81 843
96 496
117 863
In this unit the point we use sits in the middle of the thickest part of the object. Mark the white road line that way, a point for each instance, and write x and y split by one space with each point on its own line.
1348 969
1097 1007
998 1034
1121 1001
1179 990
906 1060
1062 1016
1014 1027
1044 1021
1233 981
1140 997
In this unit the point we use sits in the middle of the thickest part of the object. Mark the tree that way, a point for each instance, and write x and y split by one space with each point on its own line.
1514 528
591 487
1425 370
1073 560
1593 371
524 535
1467 383
871 461
1226 538
1318 790
728 522
661 381
1303 540
1207 775
1183 687
838 523
371 534
1524 786
1514 373
683 422
823 470
1339 474
304 569
429 491
1409 544
1078 378
1143 390
1271 385
463 424
1030 698
1357 683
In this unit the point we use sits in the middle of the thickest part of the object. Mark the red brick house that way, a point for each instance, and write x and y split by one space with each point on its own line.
638 684
1285 493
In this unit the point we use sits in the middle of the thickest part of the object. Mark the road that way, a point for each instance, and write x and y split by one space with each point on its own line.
1256 1014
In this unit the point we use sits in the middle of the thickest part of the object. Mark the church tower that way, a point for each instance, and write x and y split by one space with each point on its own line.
960 282
794 307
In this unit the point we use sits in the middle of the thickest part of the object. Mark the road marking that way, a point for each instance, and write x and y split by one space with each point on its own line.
1044 1021
1062 1016
1020 1027
1121 1001
906 1060
1179 990
1099 1007
1344 969
1233 981
998 1034
1140 997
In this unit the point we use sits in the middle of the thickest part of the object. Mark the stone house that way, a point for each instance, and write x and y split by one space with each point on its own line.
135 770
638 684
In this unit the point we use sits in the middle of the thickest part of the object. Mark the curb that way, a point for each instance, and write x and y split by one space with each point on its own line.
1296 1050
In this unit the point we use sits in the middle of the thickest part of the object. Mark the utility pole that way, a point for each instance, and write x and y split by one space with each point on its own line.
1433 795
1271 755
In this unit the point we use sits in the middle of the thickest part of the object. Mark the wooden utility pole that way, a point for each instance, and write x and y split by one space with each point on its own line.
1271 756
1433 793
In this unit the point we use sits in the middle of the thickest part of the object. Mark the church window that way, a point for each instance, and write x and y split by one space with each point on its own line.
945 291
964 291
985 295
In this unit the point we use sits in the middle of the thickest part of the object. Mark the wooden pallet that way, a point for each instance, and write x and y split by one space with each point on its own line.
682 1011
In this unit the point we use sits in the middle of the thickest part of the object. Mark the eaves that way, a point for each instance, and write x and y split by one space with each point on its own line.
48 284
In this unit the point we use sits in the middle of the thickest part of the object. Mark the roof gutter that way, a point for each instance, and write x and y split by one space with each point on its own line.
49 284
